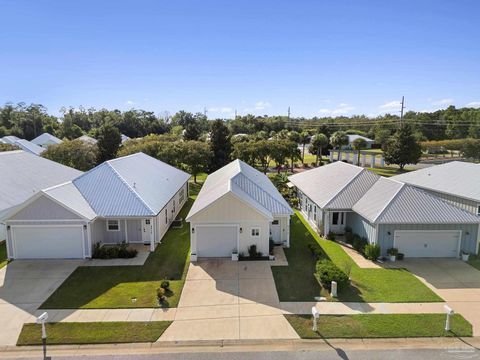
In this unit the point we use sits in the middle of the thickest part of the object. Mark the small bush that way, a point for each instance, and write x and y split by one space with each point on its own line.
400 256
161 293
392 252
252 251
113 252
271 245
358 243
349 238
331 236
372 251
165 284
327 272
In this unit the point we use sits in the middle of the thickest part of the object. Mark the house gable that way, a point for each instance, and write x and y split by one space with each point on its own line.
44 208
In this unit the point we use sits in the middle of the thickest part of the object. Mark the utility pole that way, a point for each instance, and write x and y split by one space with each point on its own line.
288 113
401 110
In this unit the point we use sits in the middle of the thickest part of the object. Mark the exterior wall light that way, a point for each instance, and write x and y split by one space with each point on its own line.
193 230
241 230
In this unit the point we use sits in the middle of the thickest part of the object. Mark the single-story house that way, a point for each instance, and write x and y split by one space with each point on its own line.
385 212
124 138
456 182
24 174
131 199
353 137
327 194
46 139
23 144
419 224
237 207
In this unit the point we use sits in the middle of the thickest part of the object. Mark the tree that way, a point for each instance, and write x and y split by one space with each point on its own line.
304 140
359 144
74 153
339 139
220 143
196 155
8 147
471 149
403 148
317 144
381 136
109 141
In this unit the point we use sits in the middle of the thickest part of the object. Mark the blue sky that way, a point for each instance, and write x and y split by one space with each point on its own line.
319 57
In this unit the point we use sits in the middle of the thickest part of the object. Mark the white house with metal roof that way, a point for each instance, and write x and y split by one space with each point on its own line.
327 194
45 140
456 182
87 139
237 207
23 175
385 212
23 144
353 137
131 199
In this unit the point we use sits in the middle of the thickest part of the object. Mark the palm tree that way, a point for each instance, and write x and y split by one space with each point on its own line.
339 139
304 140
359 144
317 144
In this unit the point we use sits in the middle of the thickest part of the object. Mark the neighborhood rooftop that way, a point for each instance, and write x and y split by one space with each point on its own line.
457 178
391 202
338 185
246 183
46 138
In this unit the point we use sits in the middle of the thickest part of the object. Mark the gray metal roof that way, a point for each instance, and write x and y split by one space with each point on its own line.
23 174
124 137
10 139
46 139
69 195
134 185
456 178
28 146
353 137
392 202
334 186
87 139
245 182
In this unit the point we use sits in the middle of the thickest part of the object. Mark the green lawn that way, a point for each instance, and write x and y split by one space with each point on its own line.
389 171
93 333
296 282
3 254
473 260
379 326
91 287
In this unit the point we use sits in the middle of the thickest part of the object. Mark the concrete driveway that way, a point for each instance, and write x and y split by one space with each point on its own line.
454 281
224 299
24 286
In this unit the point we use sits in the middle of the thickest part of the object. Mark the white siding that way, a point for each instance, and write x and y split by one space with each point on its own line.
230 210
44 208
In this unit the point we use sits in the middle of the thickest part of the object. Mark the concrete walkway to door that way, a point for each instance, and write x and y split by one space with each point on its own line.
224 299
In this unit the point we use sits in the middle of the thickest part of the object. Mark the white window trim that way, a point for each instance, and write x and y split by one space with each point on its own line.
254 228
118 225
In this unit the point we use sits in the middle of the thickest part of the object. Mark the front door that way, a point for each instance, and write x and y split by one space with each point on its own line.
147 231
275 231
337 222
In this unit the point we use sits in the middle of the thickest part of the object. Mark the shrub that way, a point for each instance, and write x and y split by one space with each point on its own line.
327 272
271 245
392 251
372 251
331 236
165 284
400 256
358 243
349 238
113 252
160 293
252 251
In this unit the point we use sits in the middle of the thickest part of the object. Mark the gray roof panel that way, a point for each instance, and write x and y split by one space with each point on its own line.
46 138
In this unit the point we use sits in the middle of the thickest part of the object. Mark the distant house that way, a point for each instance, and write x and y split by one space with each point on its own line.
353 137
46 139
131 199
23 174
87 139
124 138
341 196
237 207
456 182
23 144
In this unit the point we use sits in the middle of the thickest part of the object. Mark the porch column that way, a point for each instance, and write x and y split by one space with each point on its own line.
382 161
364 159
331 155
288 232
372 159
326 224
347 156
152 235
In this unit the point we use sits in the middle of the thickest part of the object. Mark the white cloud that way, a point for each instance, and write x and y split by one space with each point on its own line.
341 109
391 105
474 104
221 110
442 102
261 105
129 102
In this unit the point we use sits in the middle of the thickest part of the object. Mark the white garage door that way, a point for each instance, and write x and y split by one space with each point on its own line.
216 241
428 243
47 242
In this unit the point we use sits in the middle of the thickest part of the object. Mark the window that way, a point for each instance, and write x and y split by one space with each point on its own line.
166 216
275 222
478 211
335 218
181 196
173 206
315 213
147 221
255 232
113 225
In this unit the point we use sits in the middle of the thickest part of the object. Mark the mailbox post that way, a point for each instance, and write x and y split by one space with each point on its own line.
449 312
315 315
